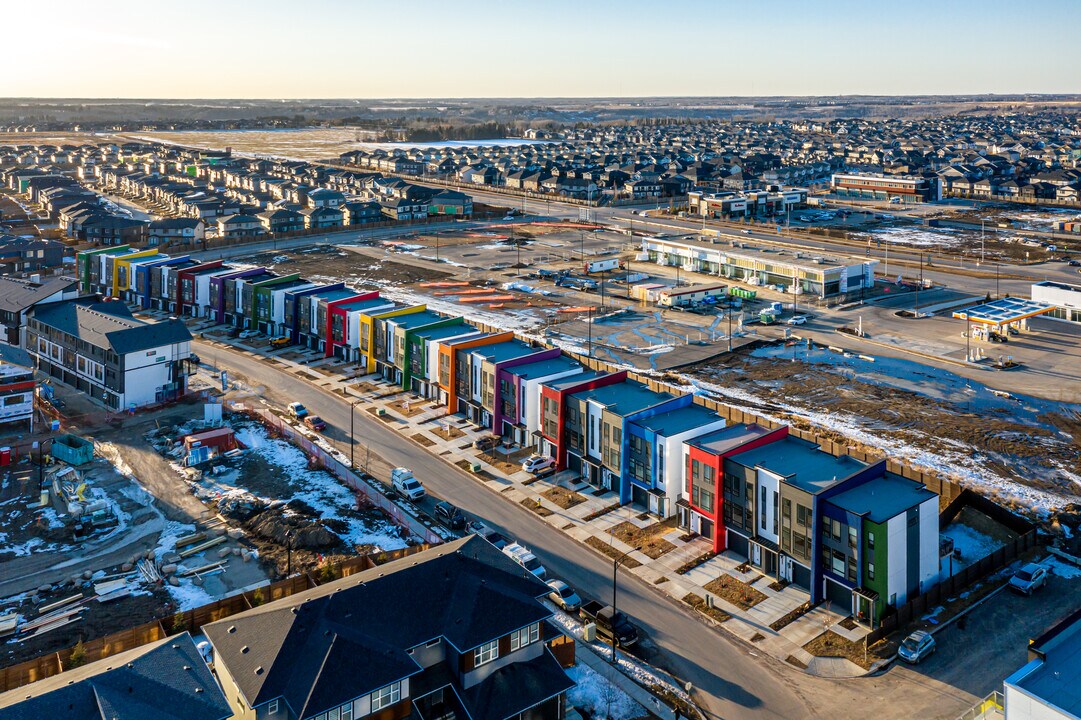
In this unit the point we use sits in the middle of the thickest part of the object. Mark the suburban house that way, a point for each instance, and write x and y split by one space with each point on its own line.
239 226
175 230
164 679
281 220
454 631
100 349
450 202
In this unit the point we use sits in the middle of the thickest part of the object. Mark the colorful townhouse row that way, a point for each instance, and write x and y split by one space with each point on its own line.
848 531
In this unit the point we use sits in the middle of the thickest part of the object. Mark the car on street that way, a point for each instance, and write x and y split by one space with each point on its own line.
564 596
997 337
315 423
917 647
797 320
611 623
297 411
536 463
408 486
526 559
1074 263
450 515
491 535
1029 579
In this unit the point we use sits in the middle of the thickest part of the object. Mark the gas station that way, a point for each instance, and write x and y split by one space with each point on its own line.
997 319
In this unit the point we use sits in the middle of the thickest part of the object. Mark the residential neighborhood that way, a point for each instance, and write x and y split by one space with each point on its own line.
400 378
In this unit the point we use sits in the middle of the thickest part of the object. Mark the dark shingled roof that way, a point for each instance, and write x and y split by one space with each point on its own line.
345 639
515 688
17 295
167 680
109 325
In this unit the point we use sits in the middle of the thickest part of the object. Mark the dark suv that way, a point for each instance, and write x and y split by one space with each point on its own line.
450 516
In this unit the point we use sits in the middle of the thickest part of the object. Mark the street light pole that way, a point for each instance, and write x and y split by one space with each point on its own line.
615 570
352 437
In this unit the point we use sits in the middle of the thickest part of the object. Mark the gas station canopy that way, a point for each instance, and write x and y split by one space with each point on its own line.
1004 311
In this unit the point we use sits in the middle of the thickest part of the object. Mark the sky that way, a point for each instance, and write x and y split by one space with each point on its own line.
547 48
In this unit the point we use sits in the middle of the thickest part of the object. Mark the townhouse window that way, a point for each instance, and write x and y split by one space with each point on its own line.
347 712
786 508
385 697
837 563
774 512
763 509
870 571
526 636
803 516
851 537
851 569
826 526
272 707
870 540
486 653
836 530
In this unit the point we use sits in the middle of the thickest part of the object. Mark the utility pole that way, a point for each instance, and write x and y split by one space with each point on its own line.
918 286
352 437
589 331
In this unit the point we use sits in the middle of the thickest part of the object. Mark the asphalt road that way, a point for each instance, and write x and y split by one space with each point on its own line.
729 684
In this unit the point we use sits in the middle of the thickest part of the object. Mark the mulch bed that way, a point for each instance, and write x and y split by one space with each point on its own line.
647 539
563 497
699 604
423 439
408 408
830 644
790 617
777 585
537 507
736 592
603 511
848 623
612 552
695 562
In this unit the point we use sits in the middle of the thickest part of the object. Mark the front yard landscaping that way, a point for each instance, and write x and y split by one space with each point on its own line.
830 644
612 552
648 539
735 591
563 497
699 604
536 506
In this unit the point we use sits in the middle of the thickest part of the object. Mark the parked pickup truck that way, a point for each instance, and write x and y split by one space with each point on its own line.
610 623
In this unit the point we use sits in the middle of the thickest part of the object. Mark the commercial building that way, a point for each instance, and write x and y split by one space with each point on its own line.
102 350
1065 298
1048 687
796 272
457 631
868 186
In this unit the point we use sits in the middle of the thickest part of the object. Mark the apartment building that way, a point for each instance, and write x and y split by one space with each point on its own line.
101 349
870 186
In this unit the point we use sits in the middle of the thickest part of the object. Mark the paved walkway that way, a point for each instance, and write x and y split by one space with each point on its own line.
583 512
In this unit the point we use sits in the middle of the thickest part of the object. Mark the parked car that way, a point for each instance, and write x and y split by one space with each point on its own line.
564 596
536 463
497 539
526 559
610 623
1029 579
280 342
297 411
315 423
1074 263
487 442
917 647
797 320
450 515
997 337
403 481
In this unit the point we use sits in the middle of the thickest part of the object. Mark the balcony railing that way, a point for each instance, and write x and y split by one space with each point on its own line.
991 707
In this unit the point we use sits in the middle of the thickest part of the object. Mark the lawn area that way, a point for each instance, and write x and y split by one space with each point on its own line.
612 552
647 539
735 591
563 497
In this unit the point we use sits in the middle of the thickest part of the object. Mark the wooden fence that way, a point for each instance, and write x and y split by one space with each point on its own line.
191 620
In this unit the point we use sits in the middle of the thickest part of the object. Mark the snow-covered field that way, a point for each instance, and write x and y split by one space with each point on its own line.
915 237
971 544
597 695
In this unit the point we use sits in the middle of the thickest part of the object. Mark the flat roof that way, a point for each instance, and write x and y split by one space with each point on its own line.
417 319
680 420
727 440
1003 311
801 463
337 294
1058 285
624 398
506 350
883 498
574 380
805 261
447 331
1056 679
544 368
366 304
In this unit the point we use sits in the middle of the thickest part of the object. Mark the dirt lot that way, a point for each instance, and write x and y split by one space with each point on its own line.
647 539
972 432
322 261
563 497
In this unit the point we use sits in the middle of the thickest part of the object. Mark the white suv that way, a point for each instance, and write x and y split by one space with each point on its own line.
537 463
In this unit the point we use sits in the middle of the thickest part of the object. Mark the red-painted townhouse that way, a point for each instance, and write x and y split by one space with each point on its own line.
553 406
705 509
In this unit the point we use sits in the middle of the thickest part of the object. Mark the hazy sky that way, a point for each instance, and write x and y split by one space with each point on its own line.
547 48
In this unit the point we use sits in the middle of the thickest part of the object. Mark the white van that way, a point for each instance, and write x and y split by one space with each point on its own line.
526 559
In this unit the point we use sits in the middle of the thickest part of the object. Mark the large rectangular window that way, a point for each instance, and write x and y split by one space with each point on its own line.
525 636
385 697
486 653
